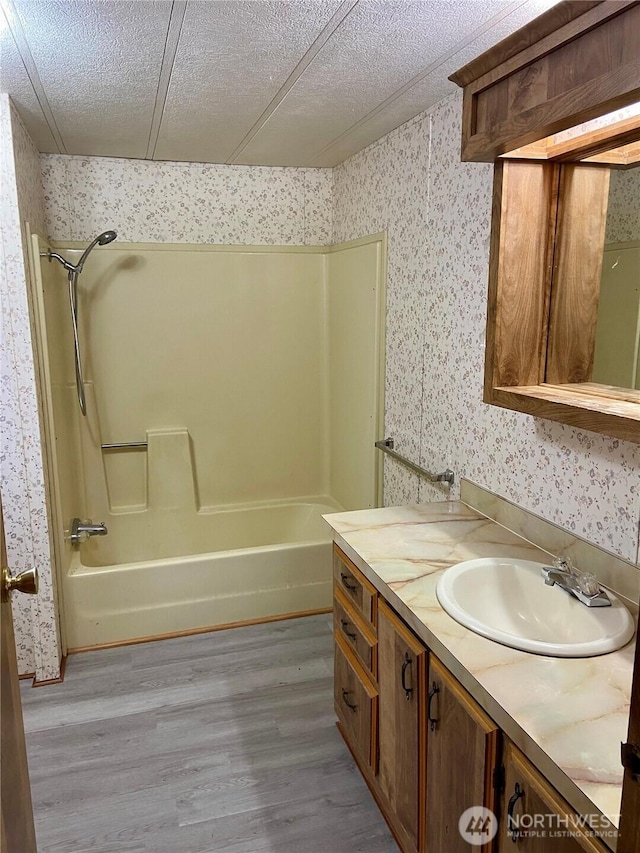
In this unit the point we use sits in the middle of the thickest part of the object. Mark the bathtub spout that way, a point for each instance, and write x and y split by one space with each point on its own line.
82 530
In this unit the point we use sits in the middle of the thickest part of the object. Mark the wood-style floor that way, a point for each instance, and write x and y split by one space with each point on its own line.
219 743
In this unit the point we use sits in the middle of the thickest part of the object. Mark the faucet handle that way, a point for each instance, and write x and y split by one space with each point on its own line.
564 564
588 583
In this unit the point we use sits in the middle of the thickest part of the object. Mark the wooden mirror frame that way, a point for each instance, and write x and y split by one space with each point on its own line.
576 62
540 338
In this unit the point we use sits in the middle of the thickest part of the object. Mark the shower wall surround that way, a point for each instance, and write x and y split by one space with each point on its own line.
160 202
22 478
437 212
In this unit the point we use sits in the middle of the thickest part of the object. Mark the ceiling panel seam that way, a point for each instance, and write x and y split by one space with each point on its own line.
22 46
336 20
176 18
418 78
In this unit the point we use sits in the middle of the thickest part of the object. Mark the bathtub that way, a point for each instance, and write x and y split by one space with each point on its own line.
163 573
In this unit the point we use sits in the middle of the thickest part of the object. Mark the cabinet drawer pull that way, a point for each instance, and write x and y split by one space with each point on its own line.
349 634
345 582
353 707
513 830
407 663
433 721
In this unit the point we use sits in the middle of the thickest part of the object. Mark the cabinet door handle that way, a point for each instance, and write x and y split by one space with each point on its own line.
345 582
349 634
433 721
407 663
353 707
514 832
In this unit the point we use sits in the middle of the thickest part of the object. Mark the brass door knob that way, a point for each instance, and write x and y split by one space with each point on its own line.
26 581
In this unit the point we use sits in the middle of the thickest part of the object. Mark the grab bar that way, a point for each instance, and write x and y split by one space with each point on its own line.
126 445
386 446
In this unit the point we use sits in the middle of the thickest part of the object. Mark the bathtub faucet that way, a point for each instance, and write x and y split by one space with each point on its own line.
82 530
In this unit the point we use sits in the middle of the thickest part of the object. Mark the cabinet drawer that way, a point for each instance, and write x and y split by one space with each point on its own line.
356 704
355 632
357 589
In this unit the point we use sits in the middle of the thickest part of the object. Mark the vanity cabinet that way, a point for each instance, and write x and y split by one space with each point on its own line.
409 746
424 746
541 819
462 760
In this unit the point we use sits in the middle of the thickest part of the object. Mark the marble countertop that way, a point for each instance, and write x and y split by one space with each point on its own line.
568 715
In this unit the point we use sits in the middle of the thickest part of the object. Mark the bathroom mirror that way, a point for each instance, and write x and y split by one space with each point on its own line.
604 311
616 359
547 311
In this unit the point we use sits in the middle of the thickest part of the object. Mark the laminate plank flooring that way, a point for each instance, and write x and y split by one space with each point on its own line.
218 743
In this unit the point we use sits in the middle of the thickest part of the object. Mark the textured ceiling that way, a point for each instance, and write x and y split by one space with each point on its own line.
261 82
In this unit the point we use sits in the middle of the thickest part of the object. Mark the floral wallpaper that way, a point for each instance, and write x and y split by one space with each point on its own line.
22 477
385 188
437 212
152 202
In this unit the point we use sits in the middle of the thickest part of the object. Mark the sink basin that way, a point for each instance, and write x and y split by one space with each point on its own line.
508 601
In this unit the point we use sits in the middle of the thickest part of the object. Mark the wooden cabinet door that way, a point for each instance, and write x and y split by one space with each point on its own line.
533 803
461 760
402 663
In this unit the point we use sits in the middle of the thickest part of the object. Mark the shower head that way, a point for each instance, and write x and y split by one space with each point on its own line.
101 240
107 237
74 271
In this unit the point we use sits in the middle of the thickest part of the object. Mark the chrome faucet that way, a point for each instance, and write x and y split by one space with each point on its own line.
582 585
82 530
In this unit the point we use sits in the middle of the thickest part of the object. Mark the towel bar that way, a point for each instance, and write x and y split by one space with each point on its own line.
386 446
